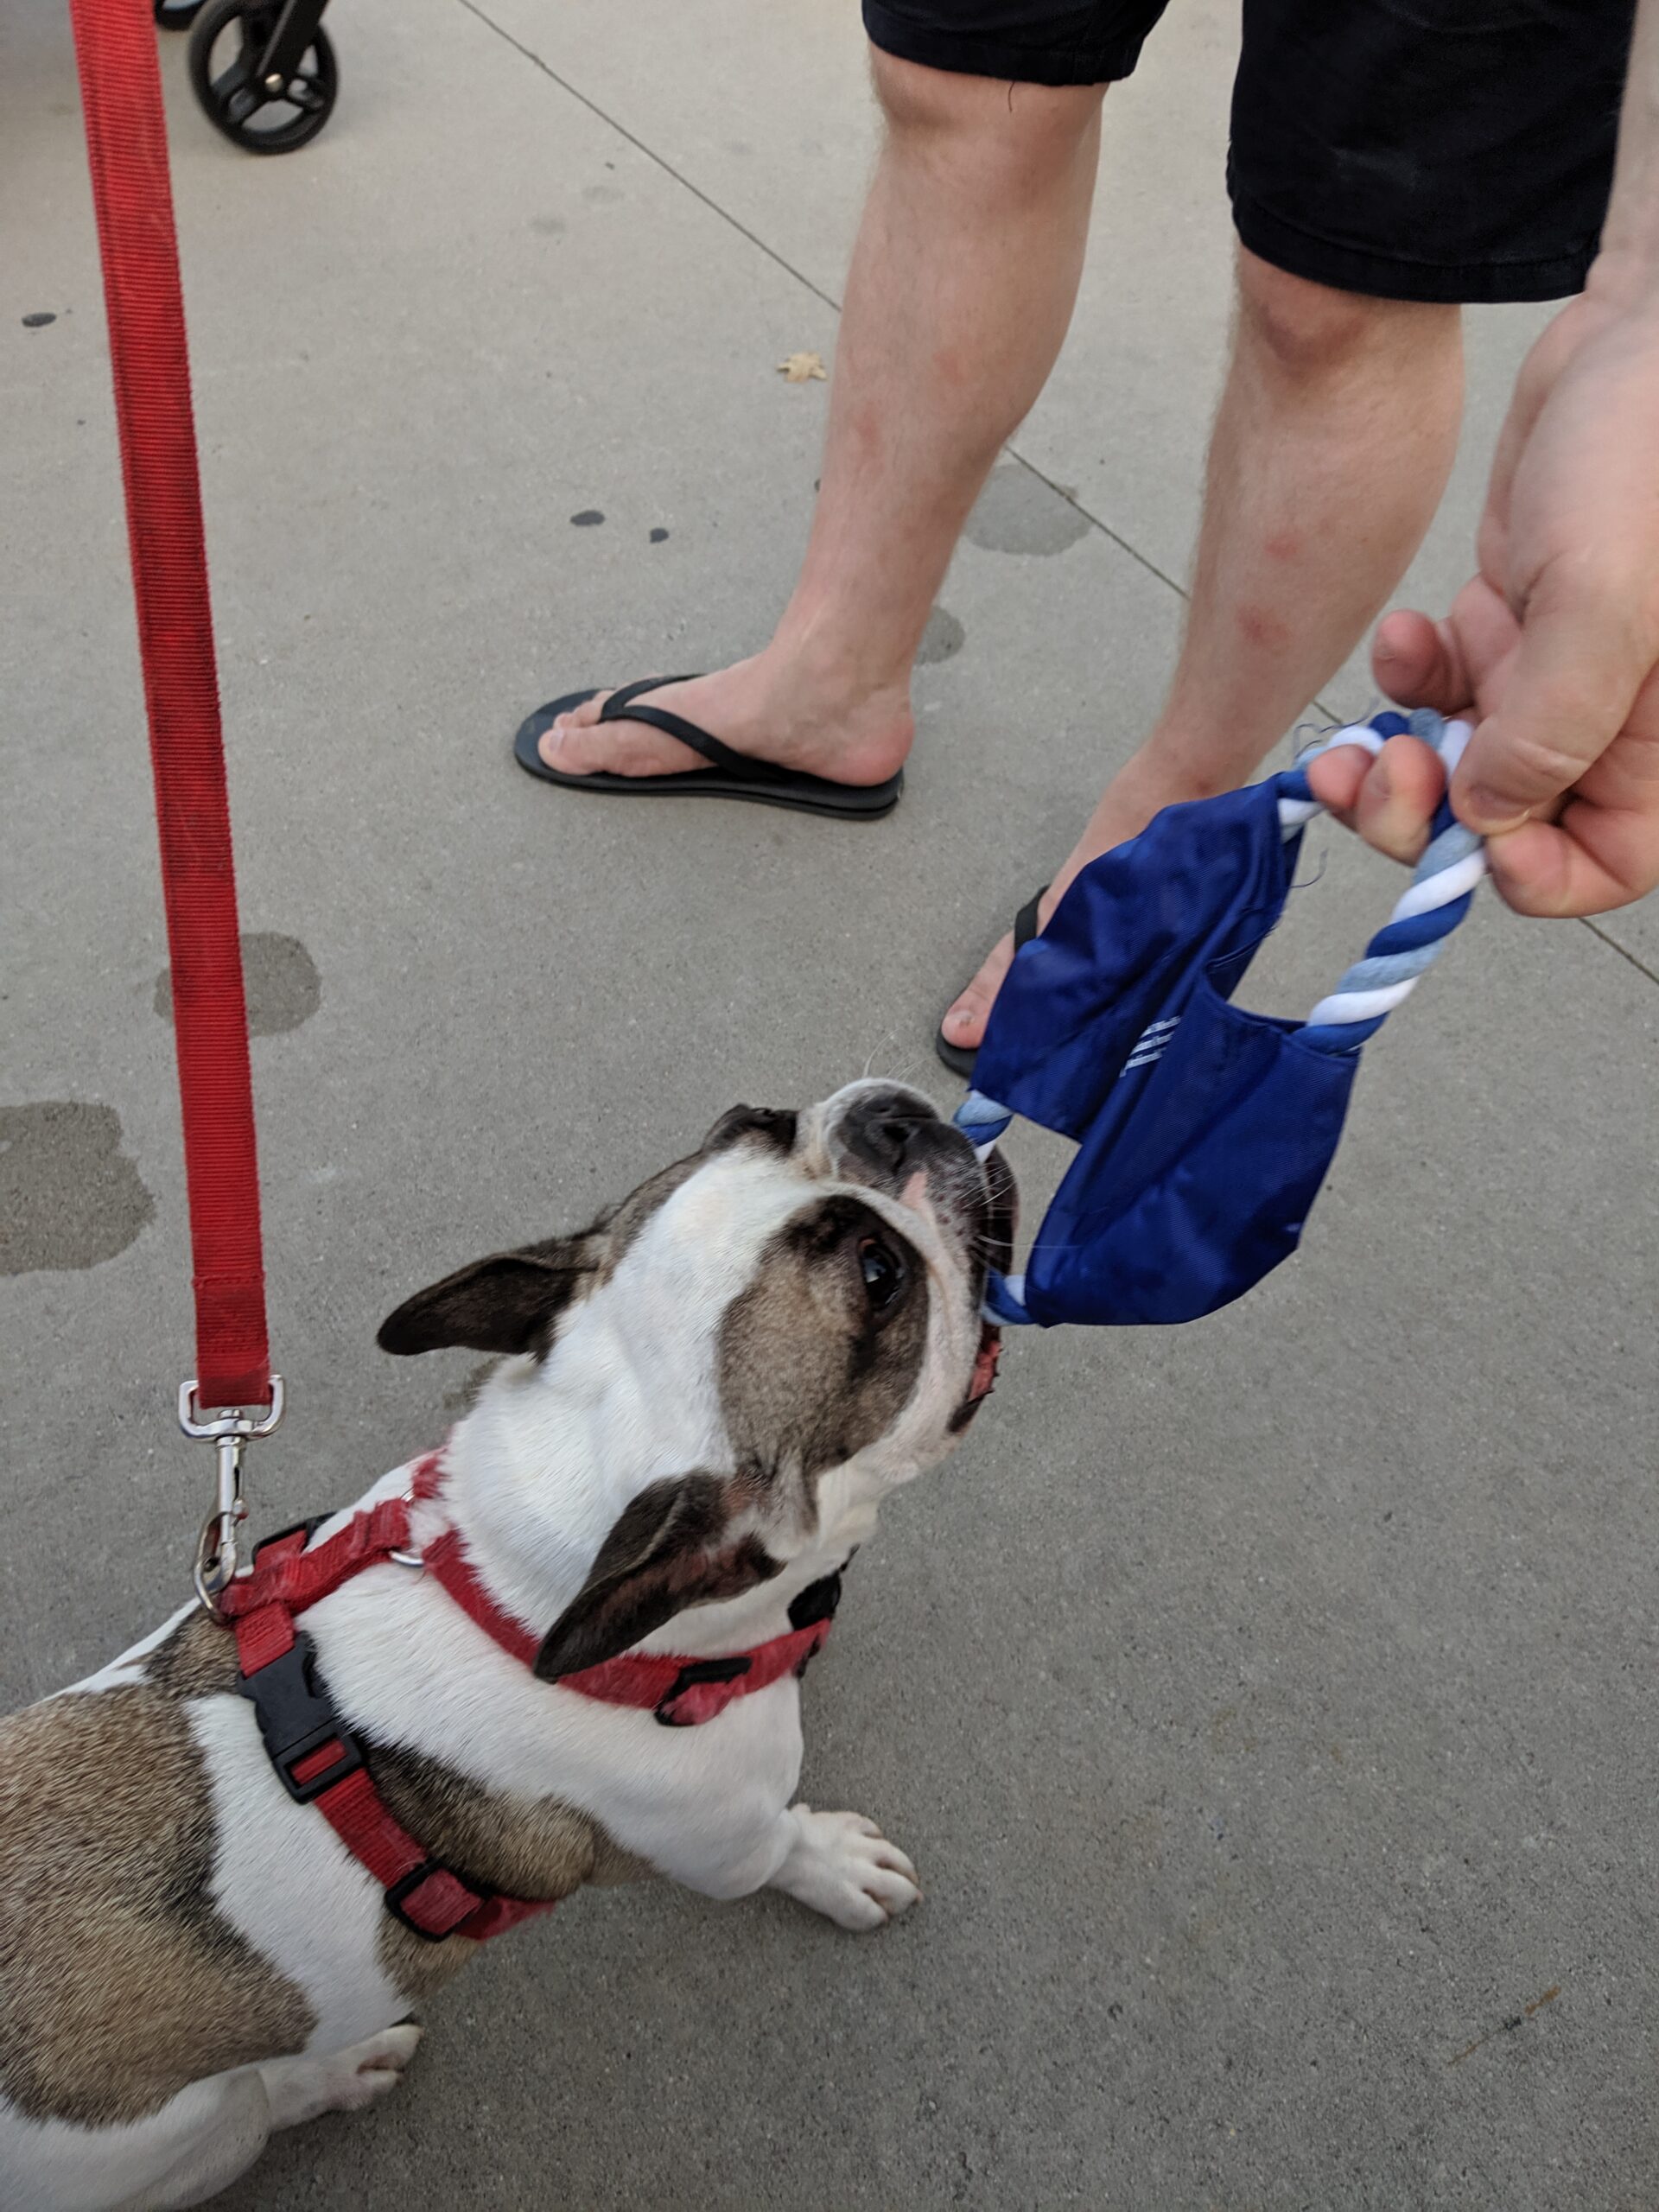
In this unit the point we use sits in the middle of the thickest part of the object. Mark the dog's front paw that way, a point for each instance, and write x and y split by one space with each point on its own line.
373 2068
299 2088
844 1867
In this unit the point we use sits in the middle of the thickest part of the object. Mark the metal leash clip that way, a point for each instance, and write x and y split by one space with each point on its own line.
228 1433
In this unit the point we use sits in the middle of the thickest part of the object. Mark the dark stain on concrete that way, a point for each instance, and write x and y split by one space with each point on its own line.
548 227
69 1196
281 979
602 196
1017 512
587 517
942 638
659 536
38 320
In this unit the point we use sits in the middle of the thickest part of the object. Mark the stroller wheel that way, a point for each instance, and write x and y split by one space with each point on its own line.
176 14
263 115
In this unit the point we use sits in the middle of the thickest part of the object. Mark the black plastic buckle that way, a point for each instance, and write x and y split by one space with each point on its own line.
406 1885
296 1715
699 1670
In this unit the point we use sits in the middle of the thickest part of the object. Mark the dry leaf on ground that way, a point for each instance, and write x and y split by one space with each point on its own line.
800 367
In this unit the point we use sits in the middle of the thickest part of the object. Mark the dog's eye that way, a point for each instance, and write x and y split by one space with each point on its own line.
884 1275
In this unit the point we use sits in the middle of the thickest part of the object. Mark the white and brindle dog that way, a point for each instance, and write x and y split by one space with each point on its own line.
703 1400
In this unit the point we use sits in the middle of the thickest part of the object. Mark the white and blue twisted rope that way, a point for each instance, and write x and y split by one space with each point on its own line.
1442 886
1442 889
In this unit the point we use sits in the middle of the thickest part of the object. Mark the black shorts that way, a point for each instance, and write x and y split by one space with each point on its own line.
1414 150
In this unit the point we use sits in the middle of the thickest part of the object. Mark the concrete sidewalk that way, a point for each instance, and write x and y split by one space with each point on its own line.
1267 1704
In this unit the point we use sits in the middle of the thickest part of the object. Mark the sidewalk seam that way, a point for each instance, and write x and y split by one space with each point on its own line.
788 267
639 145
1640 966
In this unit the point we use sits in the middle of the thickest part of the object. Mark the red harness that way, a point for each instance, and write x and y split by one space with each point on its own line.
319 1763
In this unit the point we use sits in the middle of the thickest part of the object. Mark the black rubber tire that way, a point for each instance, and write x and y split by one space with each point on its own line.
176 14
303 126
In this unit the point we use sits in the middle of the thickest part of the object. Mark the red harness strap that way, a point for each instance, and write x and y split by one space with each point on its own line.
318 1760
682 1693
316 1757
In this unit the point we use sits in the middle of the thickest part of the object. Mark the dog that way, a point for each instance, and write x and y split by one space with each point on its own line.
566 1649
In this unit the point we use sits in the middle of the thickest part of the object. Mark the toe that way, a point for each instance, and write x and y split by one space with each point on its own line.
893 1893
965 1023
889 1856
860 1914
557 740
579 744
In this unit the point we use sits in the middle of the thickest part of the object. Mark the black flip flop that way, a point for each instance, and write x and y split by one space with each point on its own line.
730 775
960 1058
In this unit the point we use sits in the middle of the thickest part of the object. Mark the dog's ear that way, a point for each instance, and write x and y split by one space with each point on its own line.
506 1303
674 1546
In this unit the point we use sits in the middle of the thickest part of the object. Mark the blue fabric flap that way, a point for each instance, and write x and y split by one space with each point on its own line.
1120 962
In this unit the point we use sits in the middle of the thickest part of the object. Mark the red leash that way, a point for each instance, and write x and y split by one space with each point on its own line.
143 300
126 144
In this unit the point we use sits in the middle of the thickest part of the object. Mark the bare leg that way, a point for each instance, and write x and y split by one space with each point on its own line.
1331 447
961 285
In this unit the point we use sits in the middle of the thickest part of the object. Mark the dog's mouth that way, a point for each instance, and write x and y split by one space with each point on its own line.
984 1381
1001 1219
990 1351
1001 1213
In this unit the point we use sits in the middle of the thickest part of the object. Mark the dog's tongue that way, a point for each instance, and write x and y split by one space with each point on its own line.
990 1351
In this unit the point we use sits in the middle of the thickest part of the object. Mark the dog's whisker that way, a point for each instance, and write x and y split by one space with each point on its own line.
880 1045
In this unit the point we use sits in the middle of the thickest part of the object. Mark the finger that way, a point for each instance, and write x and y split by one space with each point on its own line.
1578 667
1389 801
1591 861
1335 778
1419 663
1396 801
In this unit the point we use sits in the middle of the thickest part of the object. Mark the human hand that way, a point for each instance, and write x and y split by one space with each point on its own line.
1553 649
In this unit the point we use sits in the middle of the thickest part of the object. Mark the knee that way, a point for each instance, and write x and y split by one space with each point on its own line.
1307 333
1010 137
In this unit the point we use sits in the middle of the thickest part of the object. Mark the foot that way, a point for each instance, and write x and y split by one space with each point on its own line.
298 2089
844 1867
1140 789
820 727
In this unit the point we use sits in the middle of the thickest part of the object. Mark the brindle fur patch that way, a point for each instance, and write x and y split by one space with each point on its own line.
615 1233
806 1378
198 1660
120 1982
521 1846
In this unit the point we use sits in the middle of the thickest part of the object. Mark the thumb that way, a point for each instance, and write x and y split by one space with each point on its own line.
1417 663
1574 676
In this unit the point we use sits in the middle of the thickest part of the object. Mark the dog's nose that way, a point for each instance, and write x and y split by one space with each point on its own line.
890 1130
